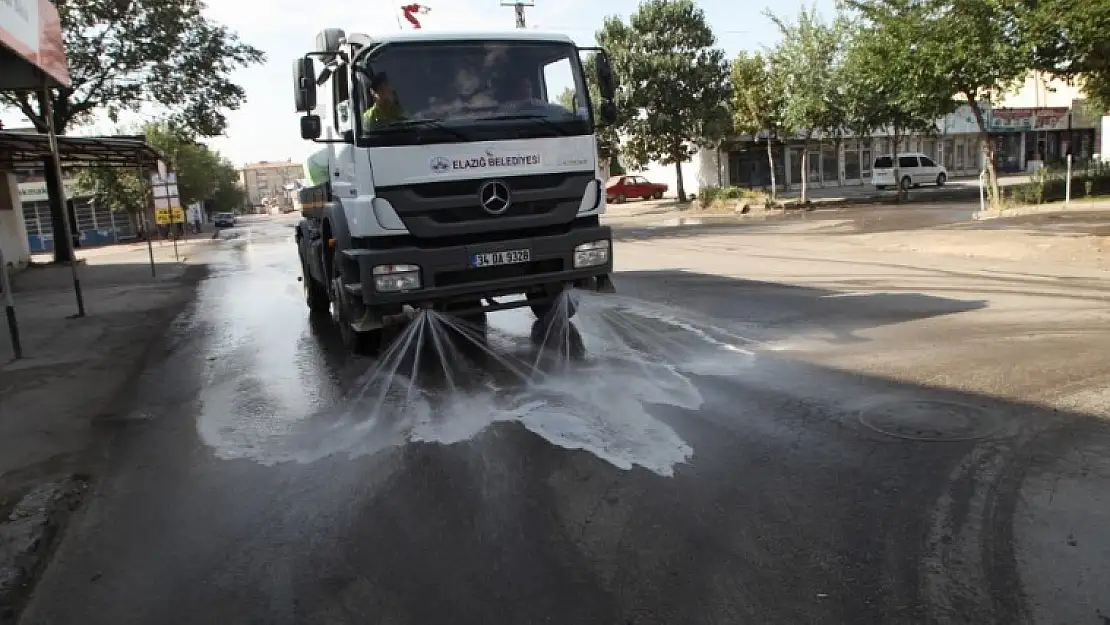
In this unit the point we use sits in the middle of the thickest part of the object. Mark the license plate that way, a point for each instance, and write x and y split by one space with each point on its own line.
508 257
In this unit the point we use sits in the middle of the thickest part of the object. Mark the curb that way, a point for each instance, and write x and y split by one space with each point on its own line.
28 536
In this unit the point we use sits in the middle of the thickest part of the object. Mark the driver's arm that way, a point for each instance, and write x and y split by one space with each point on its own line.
370 117
377 115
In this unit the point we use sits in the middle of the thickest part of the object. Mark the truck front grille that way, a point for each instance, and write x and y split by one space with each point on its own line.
485 274
469 188
452 207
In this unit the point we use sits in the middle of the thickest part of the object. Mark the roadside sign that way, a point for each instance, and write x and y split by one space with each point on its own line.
167 200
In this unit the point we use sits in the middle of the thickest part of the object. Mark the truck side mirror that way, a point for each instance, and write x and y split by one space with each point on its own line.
311 127
607 113
605 82
304 85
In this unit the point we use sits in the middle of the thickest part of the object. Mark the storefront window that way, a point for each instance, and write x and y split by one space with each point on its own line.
795 165
929 148
830 164
851 161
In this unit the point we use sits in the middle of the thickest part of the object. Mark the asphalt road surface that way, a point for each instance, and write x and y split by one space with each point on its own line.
847 439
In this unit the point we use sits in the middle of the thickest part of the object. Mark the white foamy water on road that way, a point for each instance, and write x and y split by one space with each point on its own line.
636 357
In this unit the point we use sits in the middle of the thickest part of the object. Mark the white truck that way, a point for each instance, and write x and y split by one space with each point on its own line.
458 172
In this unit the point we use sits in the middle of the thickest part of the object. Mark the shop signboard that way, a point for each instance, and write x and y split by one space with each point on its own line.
1027 119
36 191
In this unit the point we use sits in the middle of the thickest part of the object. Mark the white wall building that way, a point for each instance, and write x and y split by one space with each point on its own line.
13 232
1035 125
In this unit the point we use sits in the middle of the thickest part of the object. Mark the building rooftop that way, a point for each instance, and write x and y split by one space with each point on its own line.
271 164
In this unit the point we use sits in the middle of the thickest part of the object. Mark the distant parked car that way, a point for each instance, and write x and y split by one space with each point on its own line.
914 169
224 220
620 188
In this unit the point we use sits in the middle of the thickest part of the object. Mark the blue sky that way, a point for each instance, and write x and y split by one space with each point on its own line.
266 127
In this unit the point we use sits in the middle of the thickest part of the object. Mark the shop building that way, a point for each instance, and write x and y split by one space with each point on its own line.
94 224
1036 125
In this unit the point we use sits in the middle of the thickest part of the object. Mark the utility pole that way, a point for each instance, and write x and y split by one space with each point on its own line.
519 5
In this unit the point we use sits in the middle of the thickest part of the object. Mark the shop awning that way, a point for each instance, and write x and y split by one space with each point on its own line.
26 150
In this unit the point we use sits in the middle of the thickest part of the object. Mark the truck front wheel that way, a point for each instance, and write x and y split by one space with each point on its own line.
346 311
315 294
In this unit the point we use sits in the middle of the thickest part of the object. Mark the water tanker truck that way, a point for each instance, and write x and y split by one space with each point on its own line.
457 172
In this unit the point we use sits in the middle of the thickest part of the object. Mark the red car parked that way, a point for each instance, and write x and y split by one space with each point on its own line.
620 188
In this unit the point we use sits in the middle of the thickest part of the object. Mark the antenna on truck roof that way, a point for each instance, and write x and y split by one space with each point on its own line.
519 6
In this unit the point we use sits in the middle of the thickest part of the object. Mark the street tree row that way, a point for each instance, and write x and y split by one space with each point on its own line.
202 175
877 64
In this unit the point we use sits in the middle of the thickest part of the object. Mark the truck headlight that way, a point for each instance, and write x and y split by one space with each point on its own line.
396 278
591 254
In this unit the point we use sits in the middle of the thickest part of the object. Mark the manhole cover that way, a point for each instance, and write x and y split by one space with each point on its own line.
927 420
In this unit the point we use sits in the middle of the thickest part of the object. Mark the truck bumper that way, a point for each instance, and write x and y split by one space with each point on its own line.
448 277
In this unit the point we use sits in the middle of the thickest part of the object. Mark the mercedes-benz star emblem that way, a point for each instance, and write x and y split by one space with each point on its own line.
495 197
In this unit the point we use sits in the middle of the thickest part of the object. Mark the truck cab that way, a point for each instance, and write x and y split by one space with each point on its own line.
457 172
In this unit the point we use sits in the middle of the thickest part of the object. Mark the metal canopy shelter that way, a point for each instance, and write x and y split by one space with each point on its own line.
26 150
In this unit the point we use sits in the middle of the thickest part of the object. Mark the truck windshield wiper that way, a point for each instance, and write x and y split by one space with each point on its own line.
541 119
429 123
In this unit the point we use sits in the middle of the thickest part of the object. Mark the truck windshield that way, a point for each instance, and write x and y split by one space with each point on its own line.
441 92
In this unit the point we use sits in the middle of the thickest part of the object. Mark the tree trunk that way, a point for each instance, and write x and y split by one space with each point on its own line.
59 216
837 145
678 181
804 198
894 163
986 149
771 163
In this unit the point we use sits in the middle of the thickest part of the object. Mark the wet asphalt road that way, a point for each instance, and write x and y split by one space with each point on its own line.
681 472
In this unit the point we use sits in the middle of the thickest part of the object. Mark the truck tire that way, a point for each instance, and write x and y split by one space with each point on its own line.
315 294
343 312
543 310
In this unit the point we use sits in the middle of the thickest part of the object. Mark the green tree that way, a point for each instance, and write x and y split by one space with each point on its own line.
975 47
195 165
1068 39
804 64
884 88
121 189
228 196
201 174
758 105
673 83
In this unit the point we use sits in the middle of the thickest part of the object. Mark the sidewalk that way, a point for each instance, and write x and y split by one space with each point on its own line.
133 246
74 375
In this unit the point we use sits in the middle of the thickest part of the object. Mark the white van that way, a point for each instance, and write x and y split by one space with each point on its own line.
914 168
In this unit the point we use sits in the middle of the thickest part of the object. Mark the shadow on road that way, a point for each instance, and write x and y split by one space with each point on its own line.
782 310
